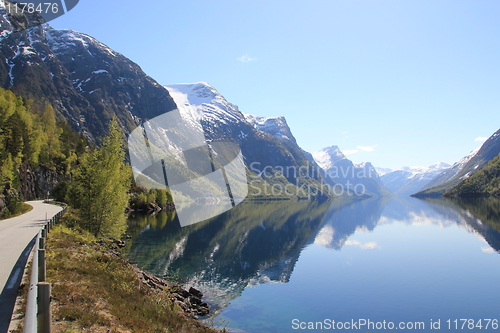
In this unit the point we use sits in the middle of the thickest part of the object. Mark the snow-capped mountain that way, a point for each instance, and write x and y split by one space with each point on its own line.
464 168
85 81
276 126
266 143
200 99
356 177
328 157
408 180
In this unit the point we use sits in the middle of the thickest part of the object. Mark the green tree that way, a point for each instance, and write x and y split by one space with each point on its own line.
100 184
152 196
6 171
161 197
14 142
52 147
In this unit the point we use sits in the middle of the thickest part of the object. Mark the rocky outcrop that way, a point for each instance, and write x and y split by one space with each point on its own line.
3 203
36 184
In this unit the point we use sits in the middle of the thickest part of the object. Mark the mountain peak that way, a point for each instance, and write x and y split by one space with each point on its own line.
328 156
276 126
440 165
203 99
198 92
362 177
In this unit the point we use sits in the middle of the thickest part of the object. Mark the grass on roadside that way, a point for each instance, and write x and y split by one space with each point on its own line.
20 210
95 290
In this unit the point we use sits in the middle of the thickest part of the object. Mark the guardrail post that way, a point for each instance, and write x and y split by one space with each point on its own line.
42 269
44 313
42 243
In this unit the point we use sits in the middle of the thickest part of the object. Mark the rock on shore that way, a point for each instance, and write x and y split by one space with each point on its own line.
189 301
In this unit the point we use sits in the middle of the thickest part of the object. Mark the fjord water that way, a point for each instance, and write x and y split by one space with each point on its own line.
279 266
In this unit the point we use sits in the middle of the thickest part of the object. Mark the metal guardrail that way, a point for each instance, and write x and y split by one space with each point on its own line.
31 307
38 314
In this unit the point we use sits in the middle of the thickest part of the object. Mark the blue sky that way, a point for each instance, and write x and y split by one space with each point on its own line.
391 82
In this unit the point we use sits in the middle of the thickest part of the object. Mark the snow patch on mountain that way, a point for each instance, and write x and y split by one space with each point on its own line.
461 163
61 40
383 171
203 99
6 27
189 112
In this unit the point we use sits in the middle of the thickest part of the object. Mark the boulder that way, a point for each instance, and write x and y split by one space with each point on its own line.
195 292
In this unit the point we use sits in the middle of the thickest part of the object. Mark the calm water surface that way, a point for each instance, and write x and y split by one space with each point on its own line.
283 266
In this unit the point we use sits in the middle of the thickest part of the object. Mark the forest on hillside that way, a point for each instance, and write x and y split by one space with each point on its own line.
41 156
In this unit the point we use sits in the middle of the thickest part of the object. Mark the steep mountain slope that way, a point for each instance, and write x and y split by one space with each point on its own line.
359 178
409 180
484 182
451 172
488 151
83 79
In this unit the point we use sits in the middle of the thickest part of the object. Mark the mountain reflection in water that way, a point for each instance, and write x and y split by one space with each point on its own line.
261 243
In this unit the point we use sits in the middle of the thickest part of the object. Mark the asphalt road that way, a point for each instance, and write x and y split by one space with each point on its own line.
16 239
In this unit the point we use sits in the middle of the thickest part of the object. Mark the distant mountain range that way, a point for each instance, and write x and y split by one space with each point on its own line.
360 178
409 180
376 181
430 181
